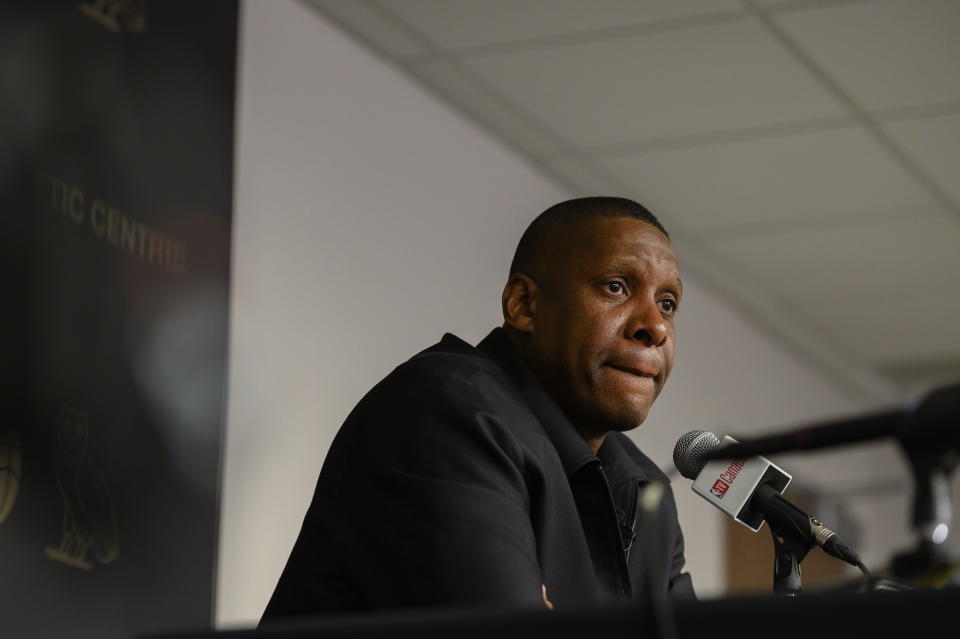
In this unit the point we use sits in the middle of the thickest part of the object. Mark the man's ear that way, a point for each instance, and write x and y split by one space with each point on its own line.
520 302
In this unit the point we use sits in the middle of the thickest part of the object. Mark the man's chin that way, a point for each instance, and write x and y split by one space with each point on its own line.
625 421
622 427
613 415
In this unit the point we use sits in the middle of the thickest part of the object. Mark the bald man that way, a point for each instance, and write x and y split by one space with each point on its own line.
499 474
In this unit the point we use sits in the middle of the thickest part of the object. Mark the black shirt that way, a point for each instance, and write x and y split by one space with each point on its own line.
457 480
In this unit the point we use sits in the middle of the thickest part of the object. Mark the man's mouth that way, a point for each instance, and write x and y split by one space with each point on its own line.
643 371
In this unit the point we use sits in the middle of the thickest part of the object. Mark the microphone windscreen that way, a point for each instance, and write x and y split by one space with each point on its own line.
691 452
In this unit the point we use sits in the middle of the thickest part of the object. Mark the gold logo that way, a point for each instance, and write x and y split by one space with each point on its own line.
89 519
117 15
10 469
115 227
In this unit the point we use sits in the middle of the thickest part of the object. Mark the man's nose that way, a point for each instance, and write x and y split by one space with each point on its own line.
648 324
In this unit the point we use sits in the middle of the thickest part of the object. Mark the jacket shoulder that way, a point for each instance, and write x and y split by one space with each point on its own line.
449 367
446 387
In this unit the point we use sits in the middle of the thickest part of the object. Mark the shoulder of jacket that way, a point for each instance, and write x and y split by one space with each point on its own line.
451 364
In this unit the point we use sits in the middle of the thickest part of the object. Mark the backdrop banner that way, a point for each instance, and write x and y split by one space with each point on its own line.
116 180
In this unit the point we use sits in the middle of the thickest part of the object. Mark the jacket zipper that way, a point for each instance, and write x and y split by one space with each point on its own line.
624 570
632 530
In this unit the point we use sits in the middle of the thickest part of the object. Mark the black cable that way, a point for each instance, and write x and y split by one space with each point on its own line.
649 495
869 583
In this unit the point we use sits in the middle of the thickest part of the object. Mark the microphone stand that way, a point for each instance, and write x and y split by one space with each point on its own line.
790 546
788 551
931 445
928 564
792 539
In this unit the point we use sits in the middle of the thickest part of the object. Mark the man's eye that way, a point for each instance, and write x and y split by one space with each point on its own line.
669 306
615 287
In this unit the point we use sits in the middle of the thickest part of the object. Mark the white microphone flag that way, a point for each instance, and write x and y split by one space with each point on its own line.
729 484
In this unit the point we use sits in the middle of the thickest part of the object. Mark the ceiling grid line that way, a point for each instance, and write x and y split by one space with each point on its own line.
725 136
665 25
917 112
806 5
869 123
474 80
607 33
775 130
761 228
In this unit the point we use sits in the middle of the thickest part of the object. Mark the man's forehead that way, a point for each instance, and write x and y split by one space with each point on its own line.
625 244
604 243
631 249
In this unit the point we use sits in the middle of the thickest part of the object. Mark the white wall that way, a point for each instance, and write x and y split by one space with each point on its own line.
370 219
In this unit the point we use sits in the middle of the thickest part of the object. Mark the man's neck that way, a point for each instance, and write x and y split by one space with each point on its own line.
594 441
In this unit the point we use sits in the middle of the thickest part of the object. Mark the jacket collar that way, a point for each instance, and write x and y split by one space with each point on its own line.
573 450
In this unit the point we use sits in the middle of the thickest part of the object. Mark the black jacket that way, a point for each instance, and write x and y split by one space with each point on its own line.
458 480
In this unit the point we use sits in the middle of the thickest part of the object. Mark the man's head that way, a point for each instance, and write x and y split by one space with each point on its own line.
590 304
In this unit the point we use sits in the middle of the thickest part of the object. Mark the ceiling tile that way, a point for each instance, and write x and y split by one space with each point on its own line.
495 114
656 85
464 23
886 54
372 26
891 327
891 255
774 180
934 144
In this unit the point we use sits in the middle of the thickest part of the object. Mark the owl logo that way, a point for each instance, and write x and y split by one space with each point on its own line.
11 460
89 519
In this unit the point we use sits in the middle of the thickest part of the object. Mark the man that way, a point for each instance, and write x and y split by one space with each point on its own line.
499 474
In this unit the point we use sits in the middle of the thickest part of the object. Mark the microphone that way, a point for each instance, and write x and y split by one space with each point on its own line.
749 490
927 424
